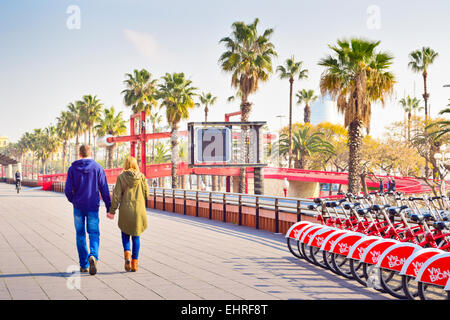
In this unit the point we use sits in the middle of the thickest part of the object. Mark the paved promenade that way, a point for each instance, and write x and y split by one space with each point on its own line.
181 258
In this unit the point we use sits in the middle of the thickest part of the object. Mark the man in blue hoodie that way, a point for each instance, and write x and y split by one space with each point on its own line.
85 179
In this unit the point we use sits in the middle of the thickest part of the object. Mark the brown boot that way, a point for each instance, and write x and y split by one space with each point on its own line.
127 255
134 265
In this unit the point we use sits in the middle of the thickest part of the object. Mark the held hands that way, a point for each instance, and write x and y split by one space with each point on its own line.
110 215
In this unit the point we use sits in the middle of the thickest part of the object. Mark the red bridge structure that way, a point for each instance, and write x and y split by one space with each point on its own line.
138 135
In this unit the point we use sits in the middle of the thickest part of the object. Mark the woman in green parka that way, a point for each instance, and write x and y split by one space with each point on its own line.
131 193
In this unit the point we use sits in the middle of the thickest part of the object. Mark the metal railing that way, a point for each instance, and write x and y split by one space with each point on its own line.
297 206
225 200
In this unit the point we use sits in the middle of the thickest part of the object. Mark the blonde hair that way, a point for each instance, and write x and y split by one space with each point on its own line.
131 164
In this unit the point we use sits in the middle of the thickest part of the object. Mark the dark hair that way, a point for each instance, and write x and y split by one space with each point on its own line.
85 151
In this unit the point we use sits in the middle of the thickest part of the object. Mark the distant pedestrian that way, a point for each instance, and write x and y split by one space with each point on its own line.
285 187
392 185
85 178
131 193
388 184
381 186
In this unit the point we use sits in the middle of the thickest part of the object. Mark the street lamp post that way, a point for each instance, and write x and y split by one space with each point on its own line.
443 158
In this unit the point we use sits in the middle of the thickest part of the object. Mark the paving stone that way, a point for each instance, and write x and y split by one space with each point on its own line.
182 257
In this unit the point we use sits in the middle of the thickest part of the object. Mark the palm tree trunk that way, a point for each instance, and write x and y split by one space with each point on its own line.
245 113
110 156
63 169
77 147
409 126
43 166
206 113
153 144
291 84
307 114
425 98
425 94
258 180
174 158
364 184
354 167
214 182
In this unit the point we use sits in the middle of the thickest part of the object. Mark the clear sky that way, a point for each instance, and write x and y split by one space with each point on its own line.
44 65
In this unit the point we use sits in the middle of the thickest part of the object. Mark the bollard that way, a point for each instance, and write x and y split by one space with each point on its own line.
276 216
240 210
164 199
210 205
196 203
184 202
224 208
173 200
257 213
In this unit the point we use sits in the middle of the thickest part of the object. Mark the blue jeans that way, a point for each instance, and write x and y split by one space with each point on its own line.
136 244
86 221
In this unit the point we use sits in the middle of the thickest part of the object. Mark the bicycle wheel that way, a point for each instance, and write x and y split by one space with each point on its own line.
297 255
391 282
431 292
327 256
306 253
357 270
317 256
372 274
342 265
410 287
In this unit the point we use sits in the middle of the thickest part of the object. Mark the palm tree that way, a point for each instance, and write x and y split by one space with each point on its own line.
177 95
155 119
307 97
290 71
92 108
65 130
52 142
76 116
420 60
25 145
207 99
409 105
140 91
305 144
248 57
46 144
112 124
441 127
162 153
356 77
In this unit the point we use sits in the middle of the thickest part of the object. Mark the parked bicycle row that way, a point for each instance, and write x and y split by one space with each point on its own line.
385 241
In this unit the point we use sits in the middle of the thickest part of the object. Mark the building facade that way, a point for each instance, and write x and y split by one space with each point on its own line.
3 141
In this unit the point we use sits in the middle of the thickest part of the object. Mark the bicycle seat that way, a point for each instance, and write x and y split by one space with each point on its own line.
397 210
313 206
379 207
331 204
335 204
363 211
428 216
318 200
445 215
350 205
417 217
441 225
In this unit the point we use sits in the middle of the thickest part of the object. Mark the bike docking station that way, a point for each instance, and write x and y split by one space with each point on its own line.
403 267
